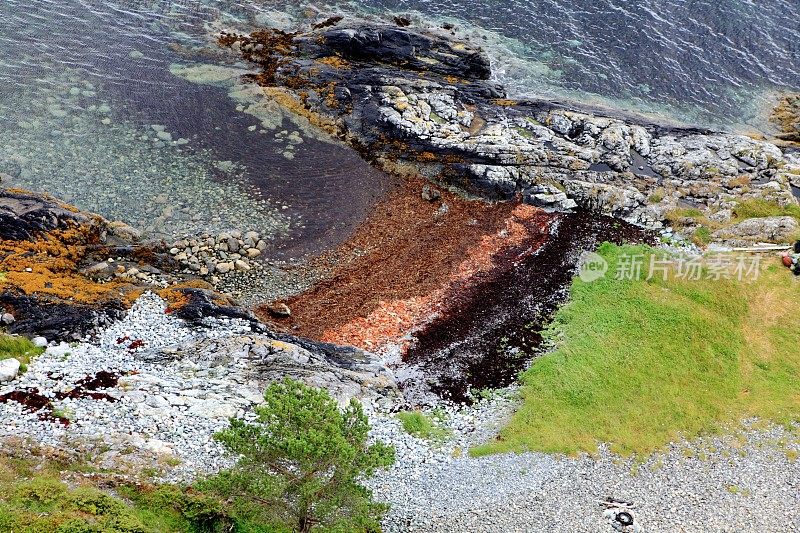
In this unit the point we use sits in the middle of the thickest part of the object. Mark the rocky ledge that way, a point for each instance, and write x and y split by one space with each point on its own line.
67 276
162 360
421 101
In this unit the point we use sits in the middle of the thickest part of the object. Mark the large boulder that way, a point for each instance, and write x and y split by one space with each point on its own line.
9 368
406 48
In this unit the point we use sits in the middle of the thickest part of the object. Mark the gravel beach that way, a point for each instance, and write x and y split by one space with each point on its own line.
746 481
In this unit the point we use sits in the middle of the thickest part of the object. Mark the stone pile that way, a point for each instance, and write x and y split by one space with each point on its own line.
217 255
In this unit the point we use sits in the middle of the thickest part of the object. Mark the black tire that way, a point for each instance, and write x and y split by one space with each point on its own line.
625 518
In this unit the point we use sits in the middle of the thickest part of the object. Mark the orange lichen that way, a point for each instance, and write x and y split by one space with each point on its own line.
427 157
175 298
329 92
48 266
334 61
505 102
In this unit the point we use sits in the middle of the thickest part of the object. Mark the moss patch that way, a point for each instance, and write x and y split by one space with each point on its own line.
19 348
44 496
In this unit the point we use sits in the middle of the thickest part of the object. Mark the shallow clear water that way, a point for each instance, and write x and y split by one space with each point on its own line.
92 111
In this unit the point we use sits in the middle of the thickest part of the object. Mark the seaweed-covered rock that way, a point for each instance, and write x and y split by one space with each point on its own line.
786 116
58 320
58 281
402 47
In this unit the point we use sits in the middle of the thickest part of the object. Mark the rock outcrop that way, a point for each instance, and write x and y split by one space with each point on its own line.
66 273
754 230
345 372
421 99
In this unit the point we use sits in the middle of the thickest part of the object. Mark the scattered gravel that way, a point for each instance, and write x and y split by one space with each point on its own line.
170 411
165 415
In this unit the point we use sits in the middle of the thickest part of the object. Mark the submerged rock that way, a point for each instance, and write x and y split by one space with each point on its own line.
786 116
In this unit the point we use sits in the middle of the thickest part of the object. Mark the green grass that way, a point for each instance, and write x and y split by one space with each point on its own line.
762 208
19 348
641 363
422 425
702 236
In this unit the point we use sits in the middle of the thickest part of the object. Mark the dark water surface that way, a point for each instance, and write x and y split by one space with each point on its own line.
91 111
706 62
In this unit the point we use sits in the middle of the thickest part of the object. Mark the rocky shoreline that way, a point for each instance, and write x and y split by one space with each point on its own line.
146 356
420 101
744 481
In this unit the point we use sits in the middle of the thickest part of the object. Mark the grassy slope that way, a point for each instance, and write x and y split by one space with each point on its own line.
640 363
33 499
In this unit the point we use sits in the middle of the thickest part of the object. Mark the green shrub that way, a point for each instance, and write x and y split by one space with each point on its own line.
40 492
78 525
301 464
92 501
